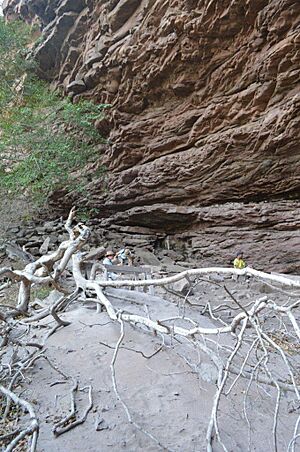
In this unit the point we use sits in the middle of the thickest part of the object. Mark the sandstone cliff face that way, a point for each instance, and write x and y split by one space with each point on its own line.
204 126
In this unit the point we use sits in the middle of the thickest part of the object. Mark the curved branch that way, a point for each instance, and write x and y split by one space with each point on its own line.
201 271
32 429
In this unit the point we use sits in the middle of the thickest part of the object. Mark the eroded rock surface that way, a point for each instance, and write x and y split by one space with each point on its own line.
204 125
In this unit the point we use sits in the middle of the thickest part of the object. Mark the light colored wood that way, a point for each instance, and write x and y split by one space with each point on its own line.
127 269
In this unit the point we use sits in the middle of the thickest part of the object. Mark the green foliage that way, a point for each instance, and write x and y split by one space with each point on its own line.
41 292
86 213
83 115
44 139
14 36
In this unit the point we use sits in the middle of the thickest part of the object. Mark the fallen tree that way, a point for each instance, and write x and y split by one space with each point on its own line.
252 341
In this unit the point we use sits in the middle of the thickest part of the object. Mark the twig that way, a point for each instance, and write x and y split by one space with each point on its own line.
213 419
32 429
24 366
9 435
296 436
270 341
79 421
58 320
113 374
60 427
57 383
133 350
261 336
56 428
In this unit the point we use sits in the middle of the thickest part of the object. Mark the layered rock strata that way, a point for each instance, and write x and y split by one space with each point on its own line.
204 118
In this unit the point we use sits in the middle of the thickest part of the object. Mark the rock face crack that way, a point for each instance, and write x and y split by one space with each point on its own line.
205 109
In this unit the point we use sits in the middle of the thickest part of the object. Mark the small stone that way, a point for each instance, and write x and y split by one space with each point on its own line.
76 87
45 246
100 425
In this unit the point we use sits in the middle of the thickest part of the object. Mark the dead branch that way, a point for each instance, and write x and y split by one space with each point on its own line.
133 350
213 425
58 319
285 281
42 271
248 357
22 367
63 421
114 381
31 430
296 436
61 426
7 436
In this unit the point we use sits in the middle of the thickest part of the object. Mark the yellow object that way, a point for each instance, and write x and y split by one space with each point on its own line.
239 263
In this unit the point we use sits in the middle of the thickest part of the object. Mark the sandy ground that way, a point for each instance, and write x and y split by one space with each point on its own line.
170 394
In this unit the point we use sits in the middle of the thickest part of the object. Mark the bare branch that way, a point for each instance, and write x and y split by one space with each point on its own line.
32 429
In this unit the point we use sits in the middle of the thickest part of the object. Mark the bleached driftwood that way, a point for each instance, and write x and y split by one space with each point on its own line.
244 324
282 280
31 429
44 271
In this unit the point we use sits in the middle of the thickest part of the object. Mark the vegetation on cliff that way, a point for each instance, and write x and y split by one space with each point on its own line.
44 139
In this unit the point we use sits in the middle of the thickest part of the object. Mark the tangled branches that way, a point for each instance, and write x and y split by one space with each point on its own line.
249 342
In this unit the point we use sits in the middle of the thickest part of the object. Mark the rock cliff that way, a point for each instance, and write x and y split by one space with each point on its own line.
204 126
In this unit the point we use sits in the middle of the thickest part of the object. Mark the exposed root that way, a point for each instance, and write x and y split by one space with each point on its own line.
31 430
252 350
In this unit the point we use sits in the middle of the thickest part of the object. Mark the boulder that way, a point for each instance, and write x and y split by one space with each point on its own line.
146 257
94 253
203 136
76 87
